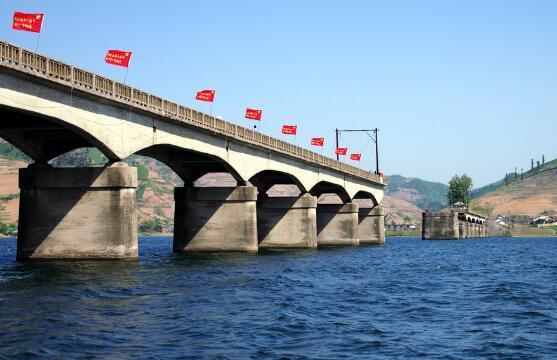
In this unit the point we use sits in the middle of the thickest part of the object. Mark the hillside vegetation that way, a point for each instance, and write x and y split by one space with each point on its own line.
423 194
534 195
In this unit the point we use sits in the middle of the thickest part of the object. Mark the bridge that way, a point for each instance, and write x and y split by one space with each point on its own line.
456 223
49 108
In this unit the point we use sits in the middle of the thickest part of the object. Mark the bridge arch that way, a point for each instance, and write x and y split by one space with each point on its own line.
266 179
366 195
325 187
44 138
188 164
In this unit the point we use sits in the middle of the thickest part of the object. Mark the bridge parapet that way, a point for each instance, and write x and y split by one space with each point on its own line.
30 63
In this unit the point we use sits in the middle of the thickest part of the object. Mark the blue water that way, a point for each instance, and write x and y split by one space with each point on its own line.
469 299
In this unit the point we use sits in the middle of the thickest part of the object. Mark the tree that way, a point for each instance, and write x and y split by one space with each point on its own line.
459 189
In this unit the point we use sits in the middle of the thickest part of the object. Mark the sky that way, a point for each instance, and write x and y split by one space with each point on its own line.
453 86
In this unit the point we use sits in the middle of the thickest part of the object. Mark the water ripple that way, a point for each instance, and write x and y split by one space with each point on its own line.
476 299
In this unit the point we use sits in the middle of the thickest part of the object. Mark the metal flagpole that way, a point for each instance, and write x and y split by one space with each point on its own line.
336 132
39 37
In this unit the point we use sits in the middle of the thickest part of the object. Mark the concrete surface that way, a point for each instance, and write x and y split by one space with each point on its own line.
215 219
337 225
78 213
287 222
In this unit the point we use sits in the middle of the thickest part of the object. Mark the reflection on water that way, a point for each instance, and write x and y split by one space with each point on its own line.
470 299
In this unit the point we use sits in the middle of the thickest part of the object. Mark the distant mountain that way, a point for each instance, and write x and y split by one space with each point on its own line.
423 194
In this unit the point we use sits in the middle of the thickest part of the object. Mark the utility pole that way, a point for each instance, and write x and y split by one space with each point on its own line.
373 138
336 133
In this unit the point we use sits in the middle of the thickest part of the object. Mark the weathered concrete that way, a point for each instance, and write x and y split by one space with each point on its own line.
120 128
287 222
371 227
337 225
440 225
215 219
462 230
77 213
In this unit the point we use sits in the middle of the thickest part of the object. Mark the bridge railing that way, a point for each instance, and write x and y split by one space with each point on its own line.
29 62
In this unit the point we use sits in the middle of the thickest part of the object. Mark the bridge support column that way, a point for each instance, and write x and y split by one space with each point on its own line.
77 213
462 229
440 225
215 219
287 222
371 228
337 225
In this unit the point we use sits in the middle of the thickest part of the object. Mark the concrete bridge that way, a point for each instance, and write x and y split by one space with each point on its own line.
457 223
49 108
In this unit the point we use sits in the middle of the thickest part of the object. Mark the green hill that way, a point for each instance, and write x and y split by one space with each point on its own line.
426 195
513 178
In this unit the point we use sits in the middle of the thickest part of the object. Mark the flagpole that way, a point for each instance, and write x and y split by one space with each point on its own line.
126 76
39 37
211 108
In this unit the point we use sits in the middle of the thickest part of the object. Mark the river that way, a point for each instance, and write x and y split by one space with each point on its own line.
470 299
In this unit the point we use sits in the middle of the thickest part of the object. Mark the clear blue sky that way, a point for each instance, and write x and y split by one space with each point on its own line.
454 87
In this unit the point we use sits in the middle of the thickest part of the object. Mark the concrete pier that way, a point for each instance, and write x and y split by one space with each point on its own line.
462 229
77 213
440 225
215 219
337 225
371 228
287 222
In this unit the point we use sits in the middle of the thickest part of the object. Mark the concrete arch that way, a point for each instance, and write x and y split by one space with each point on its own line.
120 130
324 187
44 138
189 165
265 179
366 195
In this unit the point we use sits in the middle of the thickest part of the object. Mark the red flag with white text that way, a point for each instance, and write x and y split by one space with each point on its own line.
205 95
341 151
289 129
28 22
356 157
253 114
118 57
317 141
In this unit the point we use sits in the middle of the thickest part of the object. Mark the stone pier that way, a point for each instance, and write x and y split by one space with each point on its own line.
371 228
287 222
77 213
440 225
462 230
215 219
337 225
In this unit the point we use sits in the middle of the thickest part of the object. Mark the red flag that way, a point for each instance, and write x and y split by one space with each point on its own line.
28 22
253 114
205 95
341 151
317 141
356 157
118 57
289 129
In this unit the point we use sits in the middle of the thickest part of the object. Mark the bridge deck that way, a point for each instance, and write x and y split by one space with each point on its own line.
25 61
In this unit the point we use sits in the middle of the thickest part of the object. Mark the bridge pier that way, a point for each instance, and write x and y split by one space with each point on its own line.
371 228
462 229
337 225
215 219
77 213
287 222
